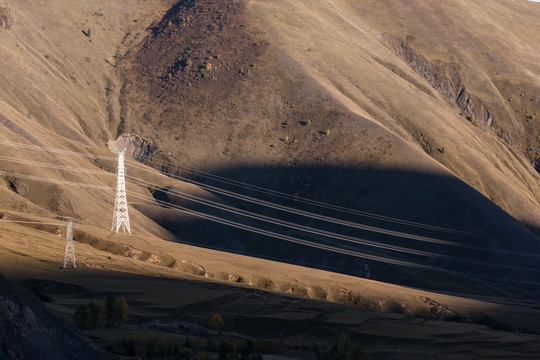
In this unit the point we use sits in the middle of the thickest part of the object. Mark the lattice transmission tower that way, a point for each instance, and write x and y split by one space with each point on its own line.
121 216
70 249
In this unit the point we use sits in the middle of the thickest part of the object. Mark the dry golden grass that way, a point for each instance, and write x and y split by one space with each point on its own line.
62 90
157 292
341 45
28 253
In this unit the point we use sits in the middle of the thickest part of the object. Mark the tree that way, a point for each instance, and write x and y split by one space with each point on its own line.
225 351
114 311
121 310
216 322
86 317
107 310
92 315
342 350
185 353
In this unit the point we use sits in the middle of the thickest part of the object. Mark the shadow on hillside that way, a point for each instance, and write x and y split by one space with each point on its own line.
456 239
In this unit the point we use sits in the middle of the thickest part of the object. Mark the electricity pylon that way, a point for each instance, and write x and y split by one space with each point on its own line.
121 216
70 249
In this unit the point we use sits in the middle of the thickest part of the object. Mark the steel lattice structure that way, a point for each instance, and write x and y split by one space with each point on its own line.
70 249
120 215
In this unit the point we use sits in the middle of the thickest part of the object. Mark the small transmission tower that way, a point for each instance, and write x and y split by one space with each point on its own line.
70 249
120 216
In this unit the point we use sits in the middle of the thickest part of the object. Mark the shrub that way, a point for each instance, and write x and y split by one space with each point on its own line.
342 350
265 283
205 356
226 351
389 305
185 353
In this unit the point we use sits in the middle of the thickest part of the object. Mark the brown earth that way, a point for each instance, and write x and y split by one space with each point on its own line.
226 89
418 111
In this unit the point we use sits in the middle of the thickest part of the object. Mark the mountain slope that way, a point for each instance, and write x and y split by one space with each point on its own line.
319 99
395 142
324 100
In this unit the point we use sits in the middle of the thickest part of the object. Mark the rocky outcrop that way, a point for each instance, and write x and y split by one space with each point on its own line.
136 147
436 310
5 18
445 78
145 152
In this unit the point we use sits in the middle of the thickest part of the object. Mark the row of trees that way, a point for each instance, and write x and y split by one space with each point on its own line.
156 347
343 349
113 312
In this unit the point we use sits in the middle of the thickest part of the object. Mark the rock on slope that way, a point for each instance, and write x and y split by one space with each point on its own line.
27 328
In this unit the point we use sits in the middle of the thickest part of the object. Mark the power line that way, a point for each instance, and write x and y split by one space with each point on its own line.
288 224
286 209
313 229
292 210
62 182
301 199
31 222
248 227
245 227
240 196
56 151
330 219
274 220
308 243
280 222
53 166
282 236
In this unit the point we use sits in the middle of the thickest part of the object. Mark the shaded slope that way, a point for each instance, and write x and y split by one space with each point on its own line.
475 259
27 327
59 106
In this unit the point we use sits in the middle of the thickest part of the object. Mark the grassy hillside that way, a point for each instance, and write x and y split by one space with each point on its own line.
333 150
322 100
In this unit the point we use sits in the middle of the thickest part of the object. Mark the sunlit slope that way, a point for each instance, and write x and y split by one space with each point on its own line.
59 106
348 47
313 100
58 66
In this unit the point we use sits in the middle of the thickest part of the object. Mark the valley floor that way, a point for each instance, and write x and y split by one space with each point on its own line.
173 308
